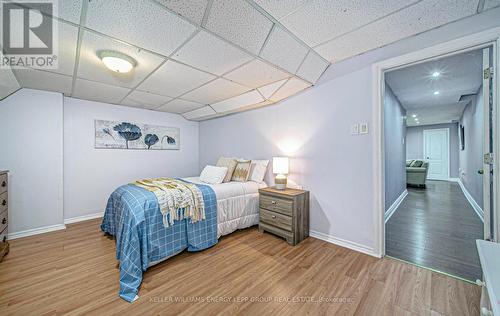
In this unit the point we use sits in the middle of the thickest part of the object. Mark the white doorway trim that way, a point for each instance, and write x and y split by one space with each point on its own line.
448 160
472 42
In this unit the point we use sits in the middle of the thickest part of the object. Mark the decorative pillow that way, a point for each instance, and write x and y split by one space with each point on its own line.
230 164
417 163
213 174
258 170
242 171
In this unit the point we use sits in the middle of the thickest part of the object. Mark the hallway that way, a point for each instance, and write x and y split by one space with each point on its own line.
436 228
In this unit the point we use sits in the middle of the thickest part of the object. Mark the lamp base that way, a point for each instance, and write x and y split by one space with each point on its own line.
280 182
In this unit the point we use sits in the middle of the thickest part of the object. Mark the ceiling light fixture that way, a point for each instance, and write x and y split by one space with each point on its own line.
436 74
414 115
116 61
436 92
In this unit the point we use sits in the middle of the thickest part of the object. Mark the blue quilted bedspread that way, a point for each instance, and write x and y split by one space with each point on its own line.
133 216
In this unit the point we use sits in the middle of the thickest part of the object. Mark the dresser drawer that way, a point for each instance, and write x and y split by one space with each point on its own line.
4 220
276 219
277 231
3 236
276 204
3 183
4 202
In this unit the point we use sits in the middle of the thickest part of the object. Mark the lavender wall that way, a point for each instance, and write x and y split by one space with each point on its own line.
313 129
395 153
415 144
471 157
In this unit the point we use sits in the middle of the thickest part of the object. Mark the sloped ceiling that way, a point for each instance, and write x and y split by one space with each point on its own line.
414 86
208 58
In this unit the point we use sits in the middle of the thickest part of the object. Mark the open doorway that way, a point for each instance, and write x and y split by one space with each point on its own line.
434 136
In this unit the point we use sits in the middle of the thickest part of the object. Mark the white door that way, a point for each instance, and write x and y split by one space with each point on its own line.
486 172
436 152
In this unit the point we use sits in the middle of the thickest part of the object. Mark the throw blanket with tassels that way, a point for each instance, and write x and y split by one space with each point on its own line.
177 199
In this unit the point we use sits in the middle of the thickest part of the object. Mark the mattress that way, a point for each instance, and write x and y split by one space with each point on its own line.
237 204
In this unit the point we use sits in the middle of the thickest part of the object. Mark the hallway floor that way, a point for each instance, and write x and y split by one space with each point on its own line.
436 227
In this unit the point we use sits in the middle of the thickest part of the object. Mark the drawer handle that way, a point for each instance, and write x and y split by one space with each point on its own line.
273 202
273 216
4 184
4 220
4 202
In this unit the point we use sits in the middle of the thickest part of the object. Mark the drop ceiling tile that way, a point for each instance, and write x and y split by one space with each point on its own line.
8 82
256 73
44 80
96 91
173 79
215 91
179 106
190 9
130 21
268 90
145 100
312 67
291 87
319 20
240 23
283 50
92 68
280 8
208 52
199 113
242 100
418 18
68 10
490 4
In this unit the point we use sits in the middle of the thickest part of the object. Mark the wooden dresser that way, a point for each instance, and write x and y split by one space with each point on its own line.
284 213
4 214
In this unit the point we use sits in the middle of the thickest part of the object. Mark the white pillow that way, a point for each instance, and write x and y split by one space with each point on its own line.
258 170
213 174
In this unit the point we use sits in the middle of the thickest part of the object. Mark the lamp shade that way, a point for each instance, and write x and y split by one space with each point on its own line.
280 165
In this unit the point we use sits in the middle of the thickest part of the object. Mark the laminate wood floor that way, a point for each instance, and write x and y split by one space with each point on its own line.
436 227
74 272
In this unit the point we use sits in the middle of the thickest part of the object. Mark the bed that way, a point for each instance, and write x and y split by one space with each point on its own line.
133 217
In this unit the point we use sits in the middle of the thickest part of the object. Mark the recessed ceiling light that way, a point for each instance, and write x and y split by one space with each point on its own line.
116 61
418 122
436 74
414 115
436 92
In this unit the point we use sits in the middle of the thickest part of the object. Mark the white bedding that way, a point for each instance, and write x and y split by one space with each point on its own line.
237 204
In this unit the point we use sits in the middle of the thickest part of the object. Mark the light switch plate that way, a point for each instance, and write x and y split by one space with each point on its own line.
354 129
363 128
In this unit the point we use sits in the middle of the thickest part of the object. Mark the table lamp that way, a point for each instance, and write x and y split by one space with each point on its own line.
280 168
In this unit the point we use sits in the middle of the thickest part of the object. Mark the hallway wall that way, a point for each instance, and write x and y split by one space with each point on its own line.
471 158
394 140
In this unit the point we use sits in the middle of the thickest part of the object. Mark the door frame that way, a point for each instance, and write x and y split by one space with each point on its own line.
475 41
448 160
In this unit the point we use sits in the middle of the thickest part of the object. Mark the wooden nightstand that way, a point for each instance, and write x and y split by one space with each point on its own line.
4 214
284 213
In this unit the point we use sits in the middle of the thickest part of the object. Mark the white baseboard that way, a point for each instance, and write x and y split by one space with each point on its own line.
472 202
392 209
83 218
36 231
343 243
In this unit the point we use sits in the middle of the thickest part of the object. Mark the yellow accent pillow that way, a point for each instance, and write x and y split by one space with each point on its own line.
241 171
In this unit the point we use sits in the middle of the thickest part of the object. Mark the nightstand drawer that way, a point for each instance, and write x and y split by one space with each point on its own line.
4 220
277 231
4 202
276 219
3 183
276 204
